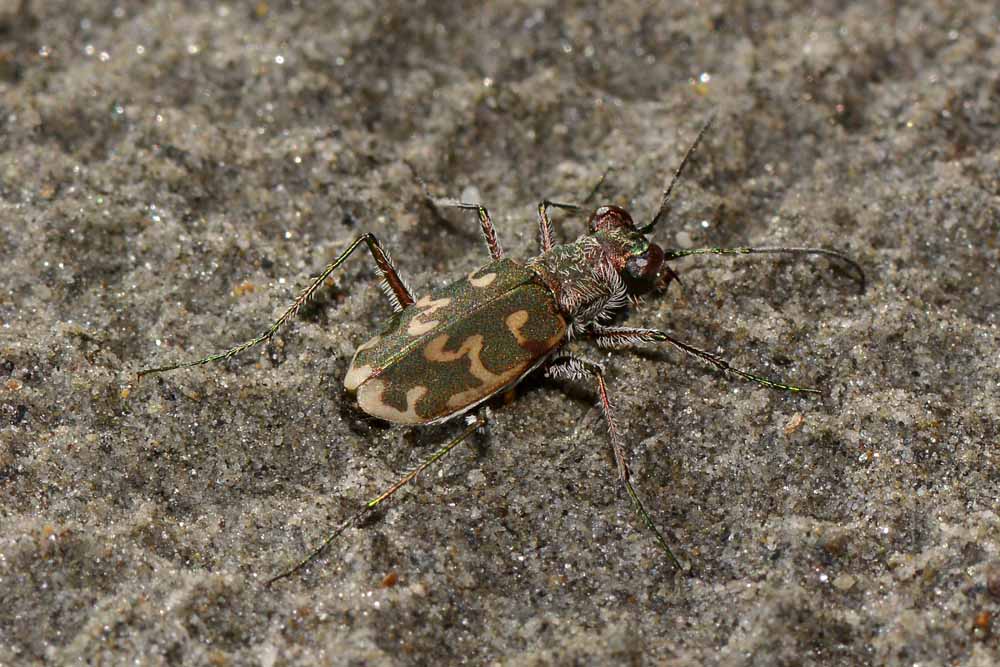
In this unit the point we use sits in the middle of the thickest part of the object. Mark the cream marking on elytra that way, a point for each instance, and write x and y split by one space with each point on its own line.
516 321
356 375
482 281
417 326
471 347
368 345
370 400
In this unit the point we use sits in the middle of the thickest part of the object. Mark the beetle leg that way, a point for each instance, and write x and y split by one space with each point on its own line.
572 368
477 423
393 285
619 337
545 236
492 242
489 232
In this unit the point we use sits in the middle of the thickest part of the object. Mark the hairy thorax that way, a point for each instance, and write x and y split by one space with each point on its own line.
584 281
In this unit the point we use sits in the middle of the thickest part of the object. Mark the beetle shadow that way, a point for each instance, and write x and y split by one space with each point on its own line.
405 444
437 231
325 301
580 391
360 423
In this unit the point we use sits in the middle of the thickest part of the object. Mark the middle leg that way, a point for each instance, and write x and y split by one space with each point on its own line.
485 222
392 284
489 232
572 368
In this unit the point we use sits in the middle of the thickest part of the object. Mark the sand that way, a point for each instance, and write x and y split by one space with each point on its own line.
173 173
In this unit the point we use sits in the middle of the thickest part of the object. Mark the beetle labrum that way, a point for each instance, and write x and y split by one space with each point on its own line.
444 354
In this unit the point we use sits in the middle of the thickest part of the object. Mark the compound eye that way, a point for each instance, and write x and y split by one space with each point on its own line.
645 266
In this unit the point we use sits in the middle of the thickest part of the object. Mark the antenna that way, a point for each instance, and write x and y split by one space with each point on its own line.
665 202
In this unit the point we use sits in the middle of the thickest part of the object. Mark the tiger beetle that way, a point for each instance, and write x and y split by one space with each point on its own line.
444 354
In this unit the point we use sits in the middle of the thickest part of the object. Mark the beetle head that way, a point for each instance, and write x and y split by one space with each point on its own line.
637 259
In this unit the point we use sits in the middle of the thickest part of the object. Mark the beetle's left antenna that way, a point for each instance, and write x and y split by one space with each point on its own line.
664 210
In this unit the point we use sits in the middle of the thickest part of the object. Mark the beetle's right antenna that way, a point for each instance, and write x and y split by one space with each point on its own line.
665 201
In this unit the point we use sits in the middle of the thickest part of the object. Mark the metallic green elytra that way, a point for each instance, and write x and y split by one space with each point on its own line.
454 348
443 354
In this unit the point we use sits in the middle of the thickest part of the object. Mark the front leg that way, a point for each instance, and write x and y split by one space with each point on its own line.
545 235
546 239
619 337
571 368
485 222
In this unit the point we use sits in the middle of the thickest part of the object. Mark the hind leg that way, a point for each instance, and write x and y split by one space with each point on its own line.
393 285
